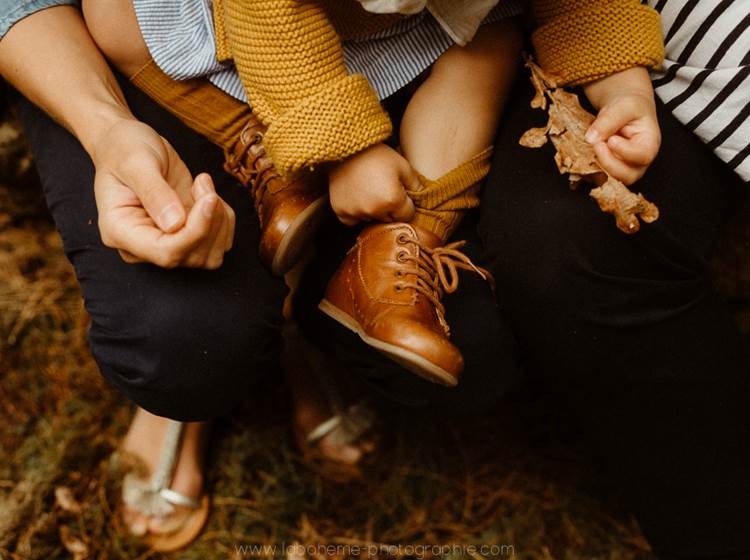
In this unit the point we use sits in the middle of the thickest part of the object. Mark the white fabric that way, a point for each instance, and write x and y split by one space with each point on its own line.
459 18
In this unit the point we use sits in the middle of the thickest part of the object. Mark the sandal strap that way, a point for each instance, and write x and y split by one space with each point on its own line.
154 497
178 499
346 427
323 429
170 448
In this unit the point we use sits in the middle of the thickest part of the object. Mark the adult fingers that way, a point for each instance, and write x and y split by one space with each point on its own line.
231 224
204 185
199 255
137 237
215 256
143 175
197 229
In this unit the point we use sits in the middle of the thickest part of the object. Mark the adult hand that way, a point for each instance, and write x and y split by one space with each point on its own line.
150 208
372 185
625 135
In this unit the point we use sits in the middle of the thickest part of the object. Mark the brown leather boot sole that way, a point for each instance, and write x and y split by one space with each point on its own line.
410 361
298 236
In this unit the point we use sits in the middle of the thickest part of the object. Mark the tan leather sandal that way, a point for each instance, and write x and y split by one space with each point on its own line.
154 498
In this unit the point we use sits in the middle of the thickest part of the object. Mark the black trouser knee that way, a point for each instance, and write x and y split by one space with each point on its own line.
185 344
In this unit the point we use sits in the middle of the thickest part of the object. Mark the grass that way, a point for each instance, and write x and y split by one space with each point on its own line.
517 479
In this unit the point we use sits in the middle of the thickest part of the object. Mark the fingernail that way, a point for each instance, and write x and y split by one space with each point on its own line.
209 205
205 186
592 136
170 217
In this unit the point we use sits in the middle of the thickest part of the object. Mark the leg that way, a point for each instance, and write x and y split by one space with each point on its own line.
630 329
452 119
182 344
389 287
454 113
153 331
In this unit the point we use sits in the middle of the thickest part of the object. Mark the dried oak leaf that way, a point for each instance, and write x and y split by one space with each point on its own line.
566 129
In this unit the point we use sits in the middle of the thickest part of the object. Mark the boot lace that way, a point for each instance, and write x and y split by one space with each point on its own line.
436 272
251 167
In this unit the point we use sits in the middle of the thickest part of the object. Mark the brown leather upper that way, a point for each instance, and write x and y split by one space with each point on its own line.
391 283
277 201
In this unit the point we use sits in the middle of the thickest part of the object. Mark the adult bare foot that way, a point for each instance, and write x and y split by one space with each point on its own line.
144 442
319 418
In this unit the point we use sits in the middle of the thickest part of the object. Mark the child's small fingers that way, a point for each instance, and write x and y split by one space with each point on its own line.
636 151
410 179
608 122
404 212
347 220
615 166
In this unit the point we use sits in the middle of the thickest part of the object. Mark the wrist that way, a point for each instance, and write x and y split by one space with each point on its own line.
98 123
633 81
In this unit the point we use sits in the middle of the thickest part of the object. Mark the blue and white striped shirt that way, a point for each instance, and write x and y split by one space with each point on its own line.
180 37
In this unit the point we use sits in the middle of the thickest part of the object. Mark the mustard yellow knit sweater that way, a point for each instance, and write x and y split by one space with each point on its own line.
289 56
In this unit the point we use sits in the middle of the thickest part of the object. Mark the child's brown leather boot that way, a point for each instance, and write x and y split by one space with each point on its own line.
388 291
289 211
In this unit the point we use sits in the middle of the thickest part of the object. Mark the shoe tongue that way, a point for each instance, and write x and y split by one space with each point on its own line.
426 237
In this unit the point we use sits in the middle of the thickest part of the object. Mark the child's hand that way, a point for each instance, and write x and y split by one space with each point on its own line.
625 134
372 185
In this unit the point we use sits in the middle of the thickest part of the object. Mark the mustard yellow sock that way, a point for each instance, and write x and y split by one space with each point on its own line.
198 103
442 203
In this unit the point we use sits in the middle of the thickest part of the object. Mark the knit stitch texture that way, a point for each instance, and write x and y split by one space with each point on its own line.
585 40
290 60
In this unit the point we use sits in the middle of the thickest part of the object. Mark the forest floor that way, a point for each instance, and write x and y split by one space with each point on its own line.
518 479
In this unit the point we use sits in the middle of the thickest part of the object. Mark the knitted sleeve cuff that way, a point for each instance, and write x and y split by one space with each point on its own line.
585 45
337 122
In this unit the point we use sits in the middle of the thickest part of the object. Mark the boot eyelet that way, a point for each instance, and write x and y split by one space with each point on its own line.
400 273
398 288
401 256
402 239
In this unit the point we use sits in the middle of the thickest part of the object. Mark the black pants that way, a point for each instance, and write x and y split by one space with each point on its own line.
186 344
627 326
631 328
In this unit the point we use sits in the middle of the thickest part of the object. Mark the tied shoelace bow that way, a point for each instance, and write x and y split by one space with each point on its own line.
251 167
436 272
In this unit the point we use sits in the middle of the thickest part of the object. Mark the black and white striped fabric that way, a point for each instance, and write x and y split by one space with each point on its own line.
705 79
180 37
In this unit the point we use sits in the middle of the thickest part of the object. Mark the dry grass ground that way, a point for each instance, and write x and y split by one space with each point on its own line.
515 479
